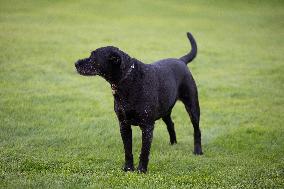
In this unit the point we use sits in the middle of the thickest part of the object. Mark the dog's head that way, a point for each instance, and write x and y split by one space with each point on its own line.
107 62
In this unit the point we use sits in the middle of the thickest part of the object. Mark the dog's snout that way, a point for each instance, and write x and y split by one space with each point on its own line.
82 61
77 63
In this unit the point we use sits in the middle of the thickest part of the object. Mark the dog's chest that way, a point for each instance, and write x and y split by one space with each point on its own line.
129 112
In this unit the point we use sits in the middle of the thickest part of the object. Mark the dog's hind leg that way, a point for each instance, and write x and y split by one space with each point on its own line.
189 96
171 129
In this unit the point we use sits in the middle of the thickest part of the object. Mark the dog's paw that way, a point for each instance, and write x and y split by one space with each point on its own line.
128 168
141 170
198 153
142 167
197 150
172 142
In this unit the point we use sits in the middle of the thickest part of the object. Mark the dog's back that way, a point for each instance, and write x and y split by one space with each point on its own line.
167 76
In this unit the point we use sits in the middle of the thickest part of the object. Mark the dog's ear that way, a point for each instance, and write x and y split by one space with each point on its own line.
115 58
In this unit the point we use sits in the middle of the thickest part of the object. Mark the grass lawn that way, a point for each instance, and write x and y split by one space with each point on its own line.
58 129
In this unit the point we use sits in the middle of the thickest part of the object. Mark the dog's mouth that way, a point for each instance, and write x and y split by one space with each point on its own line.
85 73
85 69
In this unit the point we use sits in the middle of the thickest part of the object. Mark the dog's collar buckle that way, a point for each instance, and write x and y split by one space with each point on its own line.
113 88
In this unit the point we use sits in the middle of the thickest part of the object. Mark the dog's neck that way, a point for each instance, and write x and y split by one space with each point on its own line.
115 85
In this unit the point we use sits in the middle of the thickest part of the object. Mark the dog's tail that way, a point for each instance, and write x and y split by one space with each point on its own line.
192 54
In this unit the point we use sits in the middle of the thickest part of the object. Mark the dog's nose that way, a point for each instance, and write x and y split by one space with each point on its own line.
77 63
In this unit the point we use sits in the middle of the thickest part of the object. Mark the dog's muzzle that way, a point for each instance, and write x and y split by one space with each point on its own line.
77 64
85 67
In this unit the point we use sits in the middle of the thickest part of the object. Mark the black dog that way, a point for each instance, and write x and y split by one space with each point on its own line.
144 93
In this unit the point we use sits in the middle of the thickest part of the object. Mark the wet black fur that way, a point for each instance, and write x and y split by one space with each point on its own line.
144 93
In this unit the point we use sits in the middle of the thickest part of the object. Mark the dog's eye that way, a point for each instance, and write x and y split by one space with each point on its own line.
92 60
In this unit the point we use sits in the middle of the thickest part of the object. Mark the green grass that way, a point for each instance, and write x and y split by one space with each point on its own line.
58 129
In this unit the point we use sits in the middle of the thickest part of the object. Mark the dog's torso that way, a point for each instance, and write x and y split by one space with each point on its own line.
151 91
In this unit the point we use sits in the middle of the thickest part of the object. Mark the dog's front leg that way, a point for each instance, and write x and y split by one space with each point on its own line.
126 135
147 136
